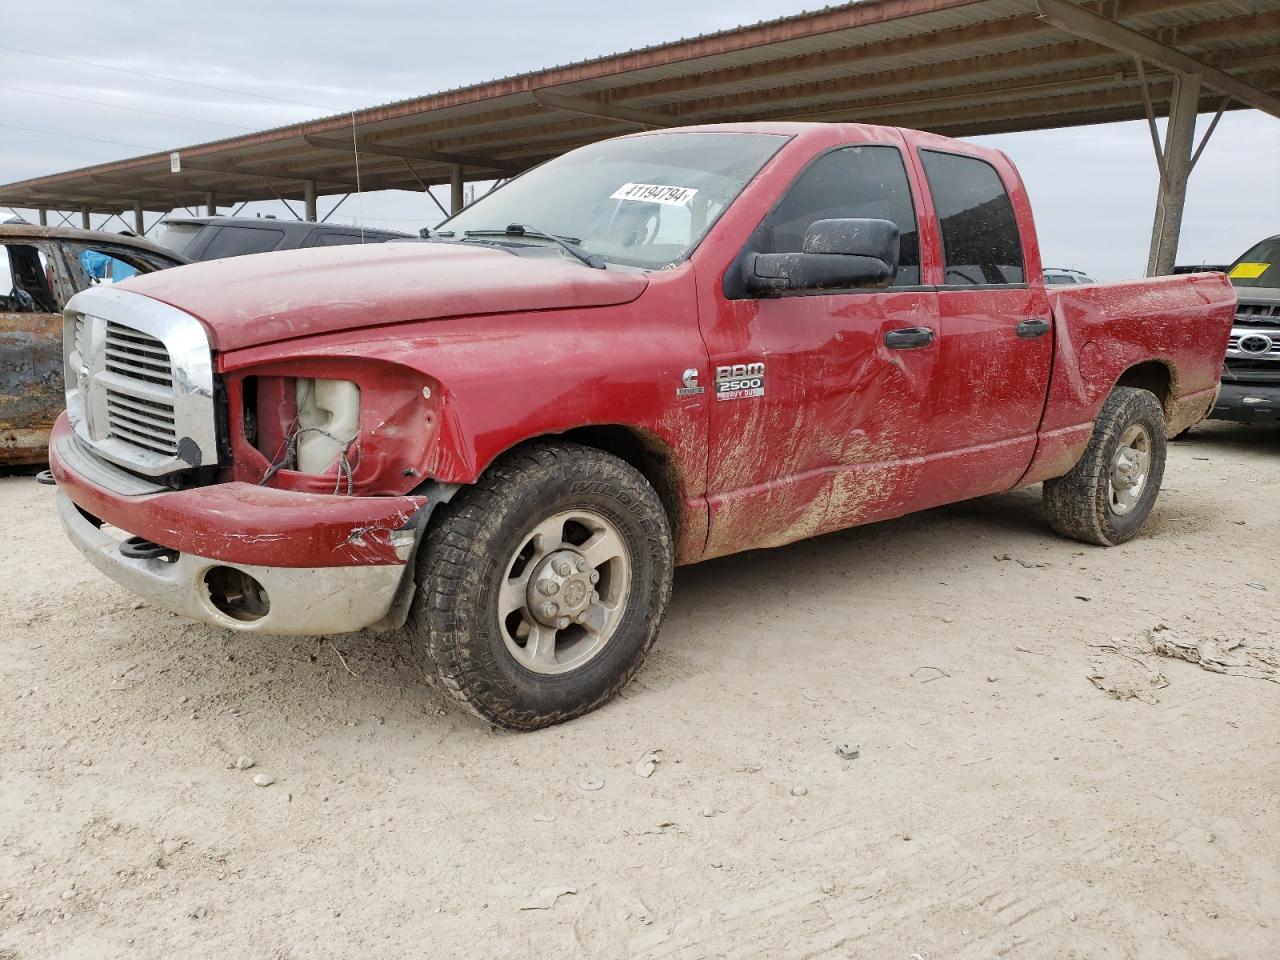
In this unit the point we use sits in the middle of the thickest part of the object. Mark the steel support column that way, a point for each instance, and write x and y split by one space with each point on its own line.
210 205
84 219
139 226
44 216
309 198
455 188
1179 141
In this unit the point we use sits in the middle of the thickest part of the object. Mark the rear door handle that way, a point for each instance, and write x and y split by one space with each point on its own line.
908 338
1032 328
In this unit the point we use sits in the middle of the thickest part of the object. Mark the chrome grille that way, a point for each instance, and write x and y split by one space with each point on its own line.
1265 314
140 383
1258 344
137 355
144 423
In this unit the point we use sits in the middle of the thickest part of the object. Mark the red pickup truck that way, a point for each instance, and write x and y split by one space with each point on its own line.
651 351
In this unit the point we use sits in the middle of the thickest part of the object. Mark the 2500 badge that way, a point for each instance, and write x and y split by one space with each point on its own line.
740 381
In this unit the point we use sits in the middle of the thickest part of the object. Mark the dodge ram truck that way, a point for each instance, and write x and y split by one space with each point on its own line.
651 351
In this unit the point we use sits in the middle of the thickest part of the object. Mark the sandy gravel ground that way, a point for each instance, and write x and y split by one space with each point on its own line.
1002 805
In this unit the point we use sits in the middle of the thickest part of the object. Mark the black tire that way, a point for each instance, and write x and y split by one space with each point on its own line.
454 623
1079 503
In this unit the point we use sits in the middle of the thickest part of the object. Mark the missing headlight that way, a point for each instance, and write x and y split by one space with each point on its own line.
328 422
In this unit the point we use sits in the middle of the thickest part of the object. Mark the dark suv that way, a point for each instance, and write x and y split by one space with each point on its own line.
1251 377
209 238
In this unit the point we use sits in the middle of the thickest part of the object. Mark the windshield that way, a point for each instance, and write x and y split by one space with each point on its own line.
642 201
1260 267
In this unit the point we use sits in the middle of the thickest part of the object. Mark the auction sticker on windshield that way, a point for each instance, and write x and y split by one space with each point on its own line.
654 193
1249 271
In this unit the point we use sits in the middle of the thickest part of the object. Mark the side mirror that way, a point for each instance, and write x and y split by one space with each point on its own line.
835 255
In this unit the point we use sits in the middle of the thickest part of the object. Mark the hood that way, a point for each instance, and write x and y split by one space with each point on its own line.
263 298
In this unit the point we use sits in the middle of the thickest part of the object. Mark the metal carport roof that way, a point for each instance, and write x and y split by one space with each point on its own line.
959 67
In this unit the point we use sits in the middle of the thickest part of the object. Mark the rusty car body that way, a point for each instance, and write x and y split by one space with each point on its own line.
46 267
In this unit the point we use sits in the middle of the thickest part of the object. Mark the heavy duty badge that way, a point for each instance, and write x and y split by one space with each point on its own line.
740 381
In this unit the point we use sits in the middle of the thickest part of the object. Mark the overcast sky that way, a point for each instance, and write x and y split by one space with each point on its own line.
1093 188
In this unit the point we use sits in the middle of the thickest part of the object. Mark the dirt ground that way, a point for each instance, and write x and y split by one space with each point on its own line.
1002 805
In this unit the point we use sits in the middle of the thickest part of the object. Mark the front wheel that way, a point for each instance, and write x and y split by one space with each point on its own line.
1105 497
543 585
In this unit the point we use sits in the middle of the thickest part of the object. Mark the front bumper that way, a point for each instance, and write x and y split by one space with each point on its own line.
302 600
1248 403
325 564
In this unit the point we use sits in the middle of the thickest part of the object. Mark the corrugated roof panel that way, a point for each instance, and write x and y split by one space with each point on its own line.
901 57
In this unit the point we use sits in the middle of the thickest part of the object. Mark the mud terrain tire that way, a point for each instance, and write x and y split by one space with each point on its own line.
1082 504
456 625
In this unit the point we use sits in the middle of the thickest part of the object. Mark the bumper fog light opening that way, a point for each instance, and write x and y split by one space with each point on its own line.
236 594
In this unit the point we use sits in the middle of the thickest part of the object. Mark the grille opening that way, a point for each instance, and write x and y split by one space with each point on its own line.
137 355
1251 314
145 423
236 594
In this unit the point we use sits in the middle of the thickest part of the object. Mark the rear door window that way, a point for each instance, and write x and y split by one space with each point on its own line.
238 241
331 238
980 240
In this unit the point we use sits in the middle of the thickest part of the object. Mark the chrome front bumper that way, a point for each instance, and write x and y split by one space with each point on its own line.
303 600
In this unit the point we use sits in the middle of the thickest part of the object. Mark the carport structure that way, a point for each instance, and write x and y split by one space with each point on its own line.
958 67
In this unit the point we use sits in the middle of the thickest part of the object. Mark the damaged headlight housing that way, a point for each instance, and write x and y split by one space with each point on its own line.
335 425
328 422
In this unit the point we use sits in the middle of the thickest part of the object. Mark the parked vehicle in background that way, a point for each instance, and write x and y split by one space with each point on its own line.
1060 275
211 238
649 351
41 268
1251 376
1201 268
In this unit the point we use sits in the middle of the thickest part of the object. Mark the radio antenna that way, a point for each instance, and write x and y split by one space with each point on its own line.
355 152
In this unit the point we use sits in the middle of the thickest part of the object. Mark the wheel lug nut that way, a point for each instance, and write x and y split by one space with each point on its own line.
581 564
562 623
582 616
549 610
562 567
595 597
595 577
548 588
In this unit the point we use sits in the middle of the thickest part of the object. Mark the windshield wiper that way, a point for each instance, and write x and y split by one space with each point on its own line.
568 244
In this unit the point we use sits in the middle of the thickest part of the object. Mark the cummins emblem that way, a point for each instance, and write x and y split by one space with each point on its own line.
690 388
740 381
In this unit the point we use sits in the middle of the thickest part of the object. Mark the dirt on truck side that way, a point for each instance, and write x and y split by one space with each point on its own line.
1000 803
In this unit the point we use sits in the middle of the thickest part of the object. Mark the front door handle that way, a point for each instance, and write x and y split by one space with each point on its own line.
908 338
1032 328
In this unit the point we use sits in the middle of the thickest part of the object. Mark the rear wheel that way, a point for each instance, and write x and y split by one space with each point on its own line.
1107 496
543 585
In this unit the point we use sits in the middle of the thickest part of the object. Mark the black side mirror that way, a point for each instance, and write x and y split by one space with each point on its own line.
835 255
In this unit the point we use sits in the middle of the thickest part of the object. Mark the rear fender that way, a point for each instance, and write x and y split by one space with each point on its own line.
1165 334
